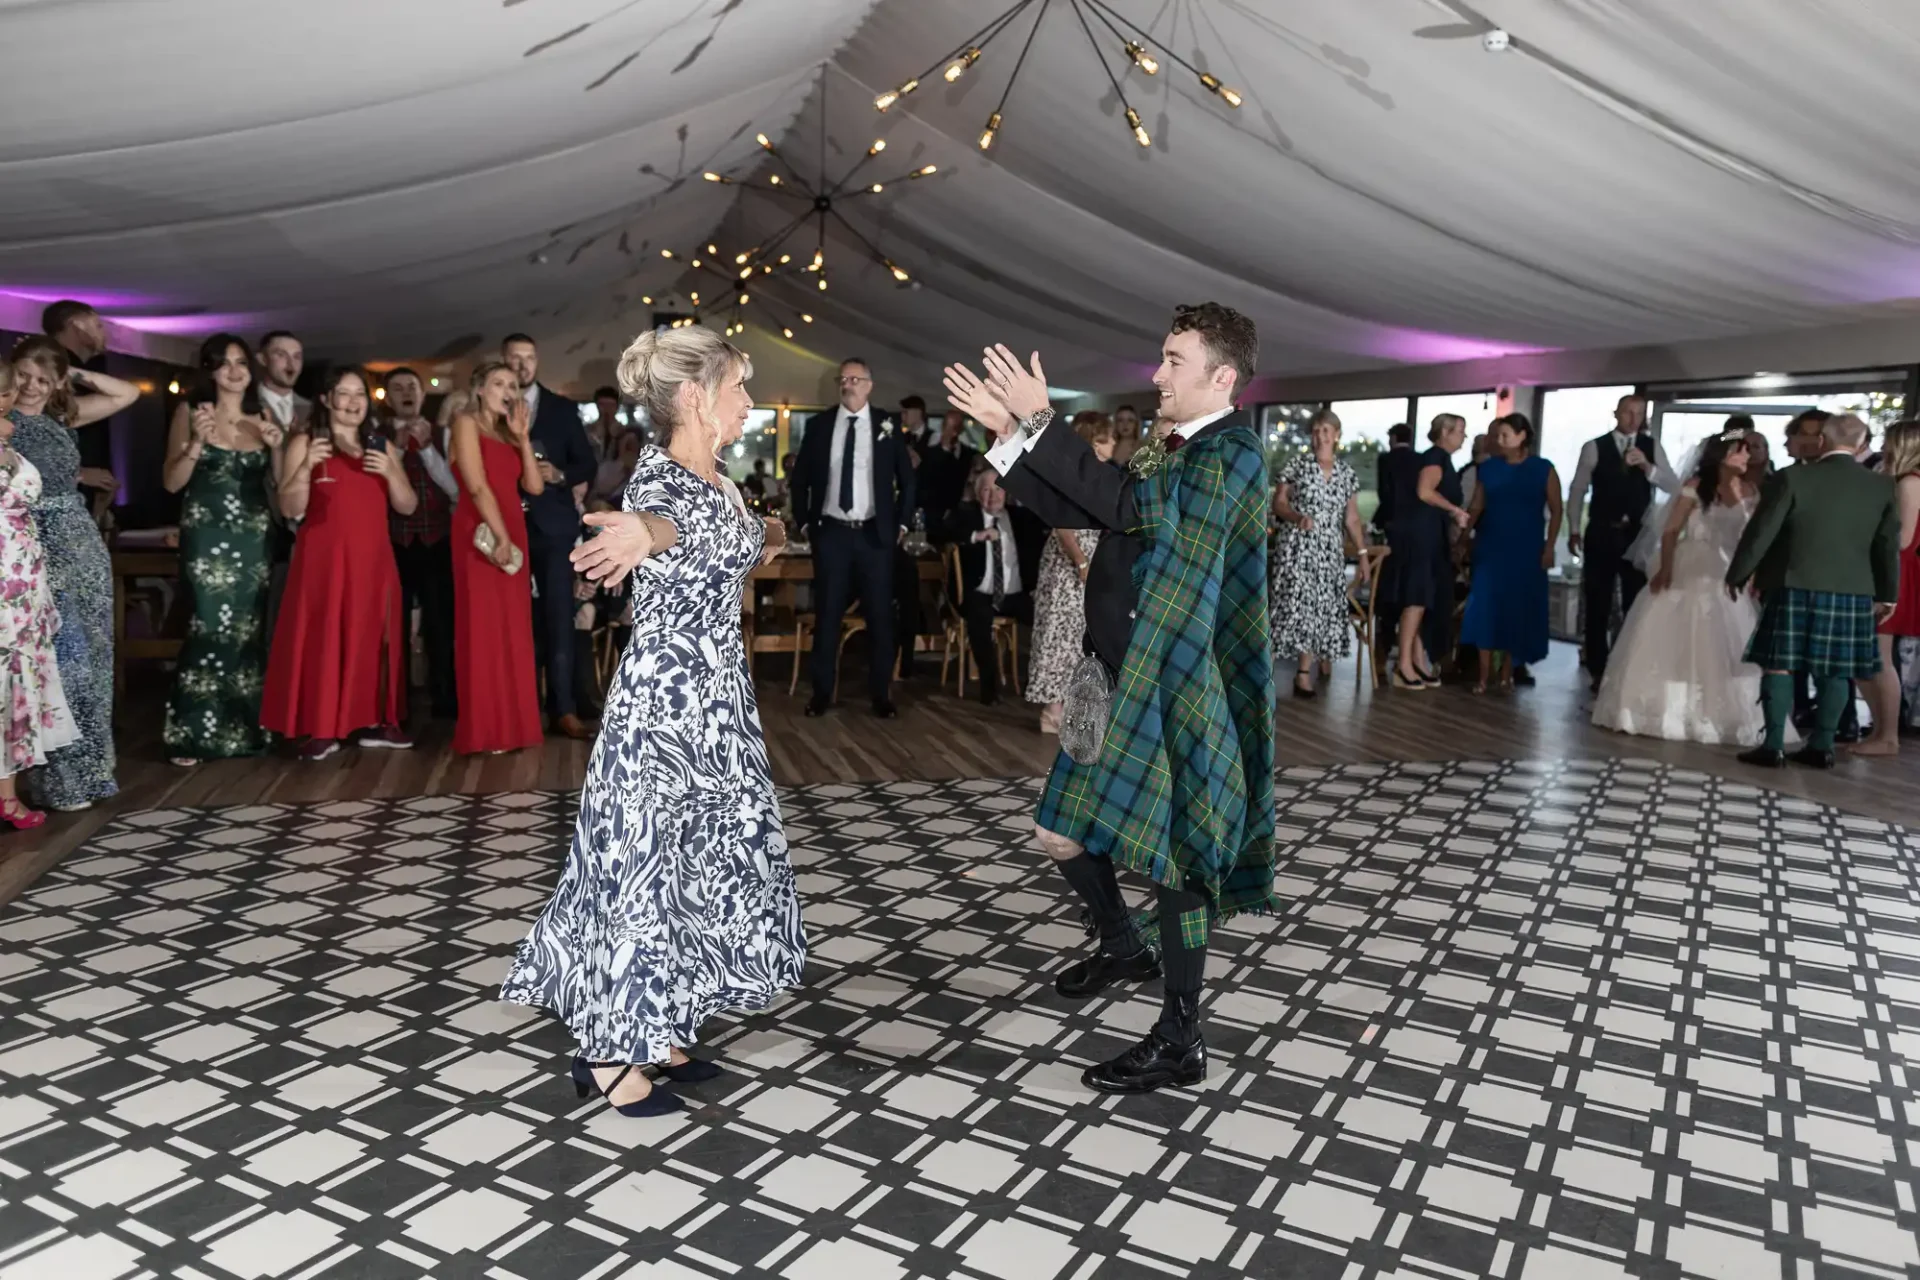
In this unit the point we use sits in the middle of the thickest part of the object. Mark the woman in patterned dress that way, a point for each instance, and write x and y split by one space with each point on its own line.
677 901
1060 600
224 453
33 709
53 402
1307 599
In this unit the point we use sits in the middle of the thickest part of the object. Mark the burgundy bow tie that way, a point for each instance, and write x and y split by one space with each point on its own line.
1174 441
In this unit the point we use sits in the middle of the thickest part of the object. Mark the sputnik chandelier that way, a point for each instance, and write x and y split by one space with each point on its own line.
1139 47
732 292
817 199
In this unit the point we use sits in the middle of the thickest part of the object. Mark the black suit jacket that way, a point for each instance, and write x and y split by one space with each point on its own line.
942 481
560 435
1061 481
958 528
893 480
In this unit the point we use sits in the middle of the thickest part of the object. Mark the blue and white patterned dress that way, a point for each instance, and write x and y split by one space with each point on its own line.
80 573
677 901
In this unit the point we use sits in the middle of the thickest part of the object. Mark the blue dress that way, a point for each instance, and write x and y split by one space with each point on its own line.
1507 606
678 900
80 572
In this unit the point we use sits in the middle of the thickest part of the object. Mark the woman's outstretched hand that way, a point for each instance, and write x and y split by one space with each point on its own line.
971 396
1022 390
622 543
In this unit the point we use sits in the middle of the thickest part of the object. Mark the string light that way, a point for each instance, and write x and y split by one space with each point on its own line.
720 178
788 332
898 274
774 179
743 299
805 318
879 145
987 134
761 138
173 388
823 284
1139 130
926 172
877 188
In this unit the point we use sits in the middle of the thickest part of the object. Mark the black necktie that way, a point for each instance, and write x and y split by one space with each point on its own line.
846 464
994 584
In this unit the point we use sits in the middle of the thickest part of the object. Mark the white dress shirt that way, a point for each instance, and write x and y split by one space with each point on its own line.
281 406
1003 455
435 461
1000 552
844 422
1662 477
532 396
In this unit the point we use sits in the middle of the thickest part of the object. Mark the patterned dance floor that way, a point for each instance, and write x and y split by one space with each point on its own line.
1541 1020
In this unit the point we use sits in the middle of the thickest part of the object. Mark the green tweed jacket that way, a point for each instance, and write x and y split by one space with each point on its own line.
1830 525
1183 790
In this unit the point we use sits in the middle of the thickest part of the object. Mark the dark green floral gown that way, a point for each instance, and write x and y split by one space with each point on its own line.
224 525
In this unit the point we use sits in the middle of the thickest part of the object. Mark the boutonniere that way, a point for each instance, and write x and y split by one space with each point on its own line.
886 427
1148 458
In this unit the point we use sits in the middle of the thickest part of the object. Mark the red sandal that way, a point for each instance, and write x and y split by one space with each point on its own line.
20 817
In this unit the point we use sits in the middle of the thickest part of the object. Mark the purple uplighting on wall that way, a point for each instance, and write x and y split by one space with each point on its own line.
104 301
1416 346
192 326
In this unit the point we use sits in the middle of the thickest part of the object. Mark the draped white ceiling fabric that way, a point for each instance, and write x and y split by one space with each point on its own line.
411 179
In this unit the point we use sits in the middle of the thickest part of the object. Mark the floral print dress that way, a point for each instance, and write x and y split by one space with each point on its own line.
225 564
677 901
1307 601
80 575
1059 618
33 708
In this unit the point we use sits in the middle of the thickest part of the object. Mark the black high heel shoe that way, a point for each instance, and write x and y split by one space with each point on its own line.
692 1071
657 1103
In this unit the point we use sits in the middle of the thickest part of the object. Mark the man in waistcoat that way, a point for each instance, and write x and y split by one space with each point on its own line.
1621 468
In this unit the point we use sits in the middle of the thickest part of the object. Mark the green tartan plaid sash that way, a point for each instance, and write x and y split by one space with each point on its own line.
1183 790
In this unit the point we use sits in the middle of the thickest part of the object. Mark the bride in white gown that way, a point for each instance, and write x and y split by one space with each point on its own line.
1677 670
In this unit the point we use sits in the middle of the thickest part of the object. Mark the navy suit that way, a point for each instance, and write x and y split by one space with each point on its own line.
853 557
553 526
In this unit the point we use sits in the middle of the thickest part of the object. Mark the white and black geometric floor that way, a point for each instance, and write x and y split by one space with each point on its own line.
1559 1021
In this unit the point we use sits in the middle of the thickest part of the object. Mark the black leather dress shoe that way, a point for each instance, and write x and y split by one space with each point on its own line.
1764 757
1813 758
883 710
1847 737
816 708
1087 978
1172 1054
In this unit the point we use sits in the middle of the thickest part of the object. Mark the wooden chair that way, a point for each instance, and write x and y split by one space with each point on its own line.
1362 593
849 628
953 635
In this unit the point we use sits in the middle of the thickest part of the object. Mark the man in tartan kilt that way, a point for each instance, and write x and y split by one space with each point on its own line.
1176 603
1823 548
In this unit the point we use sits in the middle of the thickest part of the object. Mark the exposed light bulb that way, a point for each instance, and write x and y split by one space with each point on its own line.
898 274
819 260
746 273
878 187
761 138
958 67
879 145
696 264
774 179
743 299
765 270
713 250
173 388
1212 84
823 284
711 176
987 134
666 253
1139 130
1142 59
379 393
695 297
892 96
785 258
739 258
926 172
646 299
805 318
434 382
788 332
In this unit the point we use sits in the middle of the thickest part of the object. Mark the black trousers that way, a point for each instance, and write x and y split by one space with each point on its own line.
1603 566
979 612
426 581
547 560
846 562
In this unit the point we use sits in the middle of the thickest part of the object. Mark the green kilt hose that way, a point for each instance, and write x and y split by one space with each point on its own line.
1820 633
1183 790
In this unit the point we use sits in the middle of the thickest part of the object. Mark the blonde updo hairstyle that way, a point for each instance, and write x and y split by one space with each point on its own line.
662 361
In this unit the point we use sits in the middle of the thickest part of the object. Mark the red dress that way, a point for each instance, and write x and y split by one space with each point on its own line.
1906 611
493 622
340 618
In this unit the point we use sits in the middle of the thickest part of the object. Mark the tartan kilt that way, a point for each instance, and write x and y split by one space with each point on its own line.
1820 633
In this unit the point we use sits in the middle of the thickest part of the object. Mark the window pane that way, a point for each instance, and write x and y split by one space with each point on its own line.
756 443
1477 407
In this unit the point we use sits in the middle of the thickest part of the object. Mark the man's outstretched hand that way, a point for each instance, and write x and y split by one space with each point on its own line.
971 396
1023 390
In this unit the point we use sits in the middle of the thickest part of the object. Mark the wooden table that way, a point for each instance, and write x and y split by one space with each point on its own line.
128 565
787 572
